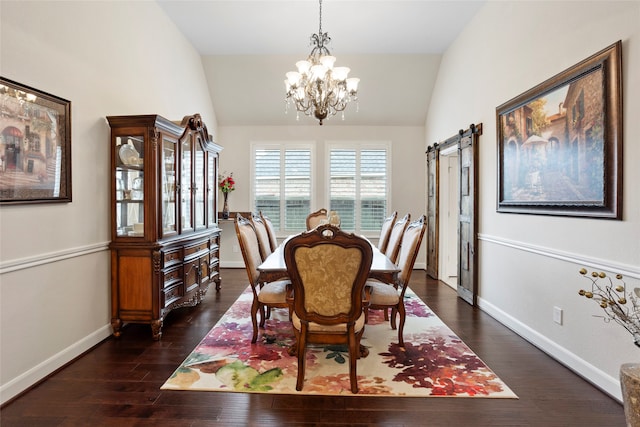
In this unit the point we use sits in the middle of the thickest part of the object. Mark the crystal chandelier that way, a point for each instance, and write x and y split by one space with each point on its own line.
318 88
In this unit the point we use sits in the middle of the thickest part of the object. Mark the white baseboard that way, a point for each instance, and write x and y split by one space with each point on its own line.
42 370
598 378
231 264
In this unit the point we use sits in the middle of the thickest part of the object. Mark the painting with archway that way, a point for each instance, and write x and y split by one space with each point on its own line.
35 145
559 143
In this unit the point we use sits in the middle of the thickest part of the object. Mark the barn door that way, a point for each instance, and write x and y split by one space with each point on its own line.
433 173
467 218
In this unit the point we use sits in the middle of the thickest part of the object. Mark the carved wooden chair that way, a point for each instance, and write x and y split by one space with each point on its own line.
273 240
391 295
385 231
265 295
328 270
395 238
263 235
316 218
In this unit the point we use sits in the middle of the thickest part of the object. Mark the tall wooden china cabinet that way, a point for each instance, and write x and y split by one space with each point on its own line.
164 230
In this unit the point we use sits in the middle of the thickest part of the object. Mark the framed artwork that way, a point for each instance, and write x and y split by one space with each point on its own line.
35 145
560 143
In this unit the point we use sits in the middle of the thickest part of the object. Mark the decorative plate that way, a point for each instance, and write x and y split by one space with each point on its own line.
129 155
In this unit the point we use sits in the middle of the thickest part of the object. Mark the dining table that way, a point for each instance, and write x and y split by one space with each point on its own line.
274 268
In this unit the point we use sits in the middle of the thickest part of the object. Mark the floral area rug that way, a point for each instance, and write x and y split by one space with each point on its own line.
434 362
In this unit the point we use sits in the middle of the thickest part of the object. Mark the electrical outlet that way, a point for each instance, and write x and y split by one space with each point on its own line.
557 315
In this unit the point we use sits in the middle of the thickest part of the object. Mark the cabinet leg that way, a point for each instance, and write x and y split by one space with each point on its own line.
156 329
218 285
116 325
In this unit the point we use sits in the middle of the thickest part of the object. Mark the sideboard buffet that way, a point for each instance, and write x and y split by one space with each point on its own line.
165 238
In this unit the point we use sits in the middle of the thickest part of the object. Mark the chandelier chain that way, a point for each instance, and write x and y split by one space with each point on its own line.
320 28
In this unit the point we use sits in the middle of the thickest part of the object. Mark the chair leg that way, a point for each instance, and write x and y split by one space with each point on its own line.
302 353
254 320
394 311
354 351
403 316
263 316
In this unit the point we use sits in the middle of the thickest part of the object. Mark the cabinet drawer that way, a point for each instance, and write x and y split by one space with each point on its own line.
173 294
172 257
213 263
190 251
215 250
191 274
171 277
204 268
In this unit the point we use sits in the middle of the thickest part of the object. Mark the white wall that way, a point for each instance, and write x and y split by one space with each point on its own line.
407 163
107 58
528 263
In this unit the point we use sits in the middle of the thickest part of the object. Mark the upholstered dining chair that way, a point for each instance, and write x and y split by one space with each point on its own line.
316 218
385 231
273 240
395 238
391 295
328 269
265 295
263 235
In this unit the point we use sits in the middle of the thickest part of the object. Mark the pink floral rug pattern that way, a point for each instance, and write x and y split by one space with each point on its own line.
434 362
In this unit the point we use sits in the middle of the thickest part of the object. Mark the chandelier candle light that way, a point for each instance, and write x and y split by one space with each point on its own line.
318 88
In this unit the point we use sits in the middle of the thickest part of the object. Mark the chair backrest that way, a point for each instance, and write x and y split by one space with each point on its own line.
263 235
395 238
385 231
249 247
328 269
316 218
411 240
273 240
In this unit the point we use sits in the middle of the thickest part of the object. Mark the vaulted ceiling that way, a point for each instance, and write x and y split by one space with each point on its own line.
393 46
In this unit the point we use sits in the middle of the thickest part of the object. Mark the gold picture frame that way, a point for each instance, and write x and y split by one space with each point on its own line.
35 145
560 143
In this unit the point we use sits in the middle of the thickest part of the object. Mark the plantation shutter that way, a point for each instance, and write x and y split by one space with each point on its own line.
267 184
297 188
373 189
358 187
282 186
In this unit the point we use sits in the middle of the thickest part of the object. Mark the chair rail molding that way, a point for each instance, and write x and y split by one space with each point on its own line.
51 257
594 263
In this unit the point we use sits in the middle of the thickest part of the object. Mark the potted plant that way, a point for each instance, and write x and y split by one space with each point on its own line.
623 308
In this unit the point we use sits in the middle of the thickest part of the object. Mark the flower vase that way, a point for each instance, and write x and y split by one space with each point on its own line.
225 207
630 384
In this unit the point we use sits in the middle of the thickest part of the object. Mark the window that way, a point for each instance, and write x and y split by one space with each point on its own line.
282 185
359 184
356 183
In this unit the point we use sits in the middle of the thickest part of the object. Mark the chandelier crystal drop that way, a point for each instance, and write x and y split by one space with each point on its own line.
319 88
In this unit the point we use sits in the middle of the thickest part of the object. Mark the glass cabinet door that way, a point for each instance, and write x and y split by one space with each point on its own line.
212 189
200 182
129 186
186 180
168 189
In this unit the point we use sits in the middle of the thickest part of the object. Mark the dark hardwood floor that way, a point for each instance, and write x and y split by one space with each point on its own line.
118 382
